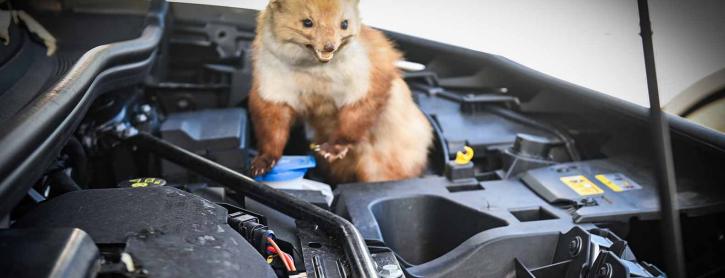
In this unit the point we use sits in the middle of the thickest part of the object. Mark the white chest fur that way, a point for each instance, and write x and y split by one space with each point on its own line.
286 75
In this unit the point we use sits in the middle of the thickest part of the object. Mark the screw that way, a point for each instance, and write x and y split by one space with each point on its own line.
575 246
605 271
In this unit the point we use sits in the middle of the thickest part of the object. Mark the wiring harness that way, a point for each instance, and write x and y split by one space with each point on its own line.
261 238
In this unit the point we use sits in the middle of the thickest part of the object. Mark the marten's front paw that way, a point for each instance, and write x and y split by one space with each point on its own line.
332 152
261 164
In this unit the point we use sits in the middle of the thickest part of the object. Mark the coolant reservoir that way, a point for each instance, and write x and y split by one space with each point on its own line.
289 174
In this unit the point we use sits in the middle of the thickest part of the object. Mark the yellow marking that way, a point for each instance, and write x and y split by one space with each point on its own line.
139 184
152 181
618 182
462 158
613 186
581 185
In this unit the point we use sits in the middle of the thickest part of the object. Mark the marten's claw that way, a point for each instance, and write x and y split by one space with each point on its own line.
261 165
332 152
343 153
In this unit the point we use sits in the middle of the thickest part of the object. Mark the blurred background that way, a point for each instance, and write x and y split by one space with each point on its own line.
594 44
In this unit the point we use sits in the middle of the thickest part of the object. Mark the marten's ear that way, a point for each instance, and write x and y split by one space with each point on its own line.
275 4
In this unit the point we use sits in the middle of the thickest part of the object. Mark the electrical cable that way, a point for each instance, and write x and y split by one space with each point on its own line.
288 263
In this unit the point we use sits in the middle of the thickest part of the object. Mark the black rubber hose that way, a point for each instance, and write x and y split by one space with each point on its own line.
29 140
356 251
62 182
568 141
78 160
440 142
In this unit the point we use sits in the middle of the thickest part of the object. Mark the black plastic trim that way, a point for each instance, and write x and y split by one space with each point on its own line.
36 135
591 98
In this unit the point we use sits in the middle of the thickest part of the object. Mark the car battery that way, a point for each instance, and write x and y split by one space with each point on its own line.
597 190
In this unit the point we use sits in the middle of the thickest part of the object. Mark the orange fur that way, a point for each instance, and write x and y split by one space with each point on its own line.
356 101
360 116
272 122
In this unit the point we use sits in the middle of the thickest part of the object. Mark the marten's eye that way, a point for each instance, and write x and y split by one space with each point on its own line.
344 24
307 23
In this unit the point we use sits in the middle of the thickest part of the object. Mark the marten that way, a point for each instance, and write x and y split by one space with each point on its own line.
315 60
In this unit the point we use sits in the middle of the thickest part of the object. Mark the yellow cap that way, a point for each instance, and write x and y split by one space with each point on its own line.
465 156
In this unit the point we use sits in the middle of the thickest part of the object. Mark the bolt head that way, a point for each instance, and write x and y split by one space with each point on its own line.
605 271
575 246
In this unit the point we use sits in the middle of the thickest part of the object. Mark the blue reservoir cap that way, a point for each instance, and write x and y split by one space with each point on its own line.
289 168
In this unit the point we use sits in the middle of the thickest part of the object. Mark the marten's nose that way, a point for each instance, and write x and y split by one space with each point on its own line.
329 47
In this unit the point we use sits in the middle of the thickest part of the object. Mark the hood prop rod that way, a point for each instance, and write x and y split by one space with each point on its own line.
665 171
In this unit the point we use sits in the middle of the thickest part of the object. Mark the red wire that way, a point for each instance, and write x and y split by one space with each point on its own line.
291 261
279 253
286 259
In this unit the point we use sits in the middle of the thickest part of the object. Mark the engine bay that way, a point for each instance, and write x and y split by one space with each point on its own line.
130 161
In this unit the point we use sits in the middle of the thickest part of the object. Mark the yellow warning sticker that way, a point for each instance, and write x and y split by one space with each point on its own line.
144 182
618 182
581 185
139 184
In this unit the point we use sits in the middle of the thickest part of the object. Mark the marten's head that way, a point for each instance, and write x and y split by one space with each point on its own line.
319 28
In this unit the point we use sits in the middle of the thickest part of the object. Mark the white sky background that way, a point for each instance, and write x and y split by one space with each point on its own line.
594 44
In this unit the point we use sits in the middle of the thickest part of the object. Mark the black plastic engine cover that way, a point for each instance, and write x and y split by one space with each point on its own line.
167 232
47 253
